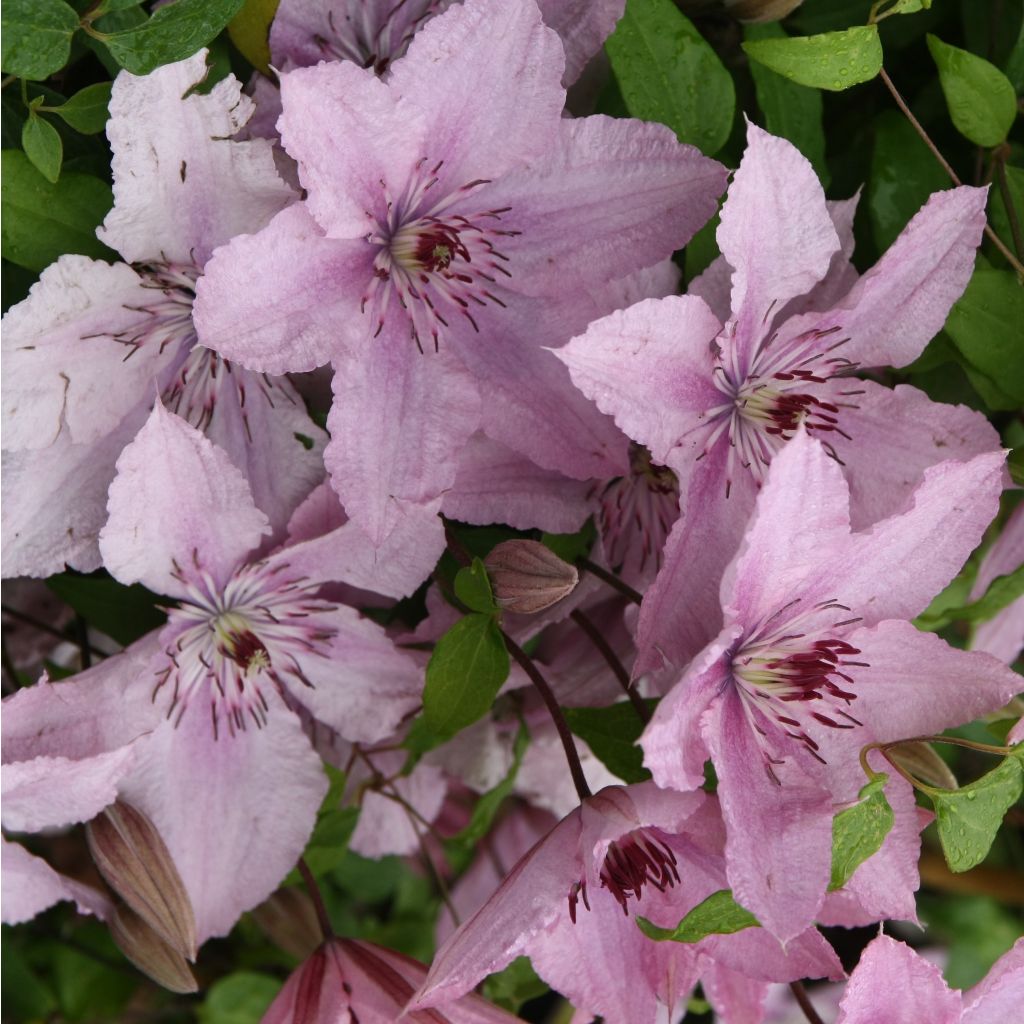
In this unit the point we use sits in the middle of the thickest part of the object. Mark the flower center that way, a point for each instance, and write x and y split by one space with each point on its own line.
634 860
436 261
233 647
792 672
169 312
636 512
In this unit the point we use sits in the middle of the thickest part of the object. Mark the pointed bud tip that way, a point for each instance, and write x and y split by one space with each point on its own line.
149 953
528 577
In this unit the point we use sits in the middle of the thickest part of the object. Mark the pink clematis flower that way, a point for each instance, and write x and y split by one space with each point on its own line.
94 343
892 984
569 904
1003 635
715 383
815 660
455 224
212 706
376 33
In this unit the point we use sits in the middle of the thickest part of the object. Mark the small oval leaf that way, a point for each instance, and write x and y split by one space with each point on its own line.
719 914
859 831
86 111
832 60
42 146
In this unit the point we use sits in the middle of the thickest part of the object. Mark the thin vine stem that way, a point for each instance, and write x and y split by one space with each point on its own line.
618 669
317 897
800 995
954 177
611 579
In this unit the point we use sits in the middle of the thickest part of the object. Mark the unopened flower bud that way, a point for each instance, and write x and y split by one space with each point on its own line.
760 10
921 760
157 960
137 865
288 919
528 577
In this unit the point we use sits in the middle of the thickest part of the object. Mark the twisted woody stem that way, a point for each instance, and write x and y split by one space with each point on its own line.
564 733
618 669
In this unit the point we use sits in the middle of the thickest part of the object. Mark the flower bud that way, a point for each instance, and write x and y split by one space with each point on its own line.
288 919
149 952
921 760
137 865
760 10
528 577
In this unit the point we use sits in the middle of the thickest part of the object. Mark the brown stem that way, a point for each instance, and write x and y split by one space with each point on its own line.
564 733
611 579
318 901
1011 210
41 626
800 995
618 669
990 234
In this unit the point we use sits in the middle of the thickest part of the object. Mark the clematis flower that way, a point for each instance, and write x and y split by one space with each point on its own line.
348 980
454 225
376 33
94 343
893 983
212 705
815 660
569 904
1003 635
716 382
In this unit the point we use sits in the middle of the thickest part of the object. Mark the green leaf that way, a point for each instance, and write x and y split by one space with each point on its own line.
668 73
123 613
173 33
985 326
980 98
969 818
1015 464
43 220
790 110
903 175
1002 591
86 111
832 60
999 216
467 667
473 588
250 31
719 914
516 984
26 997
859 831
907 7
36 36
87 983
42 146
611 733
238 998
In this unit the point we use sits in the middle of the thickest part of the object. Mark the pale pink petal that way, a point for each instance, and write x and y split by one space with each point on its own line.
182 186
362 686
899 305
649 367
896 435
779 833
543 780
775 230
397 425
30 886
532 896
494 484
177 506
1004 556
284 299
320 514
369 153
735 997
40 537
583 26
1000 994
235 811
893 983
612 196
64 369
917 685
1003 635
54 792
485 78
104 708
714 286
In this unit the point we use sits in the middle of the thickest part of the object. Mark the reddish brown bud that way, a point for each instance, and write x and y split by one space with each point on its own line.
149 952
528 577
137 865
288 918
760 10
921 760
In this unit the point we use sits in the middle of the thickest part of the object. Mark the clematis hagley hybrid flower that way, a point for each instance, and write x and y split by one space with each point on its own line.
892 984
375 33
815 660
94 343
569 904
455 225
715 382
213 704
